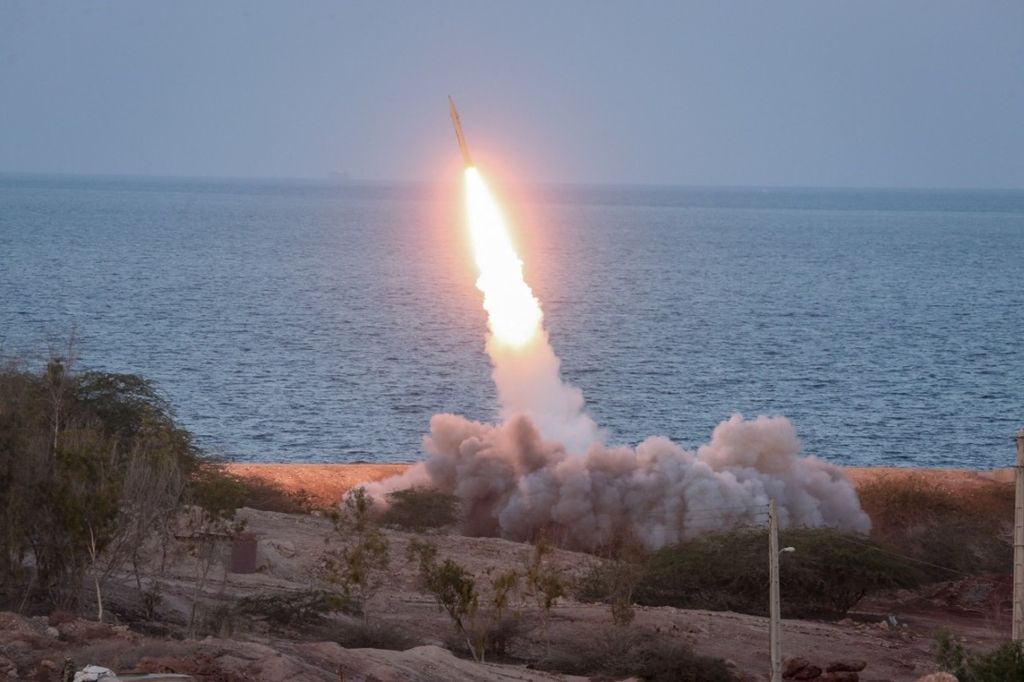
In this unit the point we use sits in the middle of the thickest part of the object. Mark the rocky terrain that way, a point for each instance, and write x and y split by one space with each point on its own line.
893 634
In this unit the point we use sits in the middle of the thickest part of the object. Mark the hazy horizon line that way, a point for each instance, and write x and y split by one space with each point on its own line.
343 179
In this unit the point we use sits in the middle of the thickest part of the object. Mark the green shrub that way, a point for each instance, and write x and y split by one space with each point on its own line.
294 609
829 572
1003 664
418 509
455 591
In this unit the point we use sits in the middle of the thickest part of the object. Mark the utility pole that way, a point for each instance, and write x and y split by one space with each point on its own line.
775 606
1018 544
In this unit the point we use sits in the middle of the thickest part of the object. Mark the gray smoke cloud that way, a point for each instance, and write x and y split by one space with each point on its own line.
512 483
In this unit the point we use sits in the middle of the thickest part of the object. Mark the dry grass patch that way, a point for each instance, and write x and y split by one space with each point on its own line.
953 530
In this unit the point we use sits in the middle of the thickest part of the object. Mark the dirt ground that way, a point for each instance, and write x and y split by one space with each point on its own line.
894 633
289 559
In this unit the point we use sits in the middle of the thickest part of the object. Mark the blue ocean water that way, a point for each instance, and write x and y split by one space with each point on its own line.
311 321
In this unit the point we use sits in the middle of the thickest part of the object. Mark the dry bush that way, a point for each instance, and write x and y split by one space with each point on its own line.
959 531
612 582
261 494
497 638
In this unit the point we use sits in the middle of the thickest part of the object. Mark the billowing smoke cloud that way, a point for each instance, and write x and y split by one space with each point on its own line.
513 483
546 467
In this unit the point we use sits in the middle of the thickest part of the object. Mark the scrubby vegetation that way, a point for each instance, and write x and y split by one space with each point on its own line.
614 580
488 626
293 609
1003 664
257 493
455 591
358 565
360 634
420 509
646 656
92 465
829 572
948 531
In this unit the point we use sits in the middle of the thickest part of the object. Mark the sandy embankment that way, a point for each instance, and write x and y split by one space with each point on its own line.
326 483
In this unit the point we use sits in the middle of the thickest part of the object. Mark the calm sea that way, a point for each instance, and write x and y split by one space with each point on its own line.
304 321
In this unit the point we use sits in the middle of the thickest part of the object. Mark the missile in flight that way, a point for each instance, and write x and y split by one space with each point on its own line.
466 158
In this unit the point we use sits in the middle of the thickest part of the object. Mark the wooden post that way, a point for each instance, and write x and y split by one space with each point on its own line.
774 604
1018 544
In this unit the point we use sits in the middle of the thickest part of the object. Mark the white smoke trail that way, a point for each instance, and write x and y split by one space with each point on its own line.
529 383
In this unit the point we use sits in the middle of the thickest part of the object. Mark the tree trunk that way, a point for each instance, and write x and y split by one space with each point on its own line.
99 597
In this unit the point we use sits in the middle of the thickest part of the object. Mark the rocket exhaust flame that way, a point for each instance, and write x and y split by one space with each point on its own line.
526 369
513 312
545 466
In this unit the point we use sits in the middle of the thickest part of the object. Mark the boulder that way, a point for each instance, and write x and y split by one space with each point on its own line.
811 672
8 668
792 665
938 677
94 673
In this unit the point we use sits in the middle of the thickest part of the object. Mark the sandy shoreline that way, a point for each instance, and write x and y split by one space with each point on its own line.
327 483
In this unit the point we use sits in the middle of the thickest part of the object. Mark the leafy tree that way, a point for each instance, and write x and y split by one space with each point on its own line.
91 464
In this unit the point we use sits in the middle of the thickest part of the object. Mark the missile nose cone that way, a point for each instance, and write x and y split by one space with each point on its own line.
454 113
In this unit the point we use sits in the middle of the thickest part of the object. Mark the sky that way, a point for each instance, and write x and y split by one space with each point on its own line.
783 93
